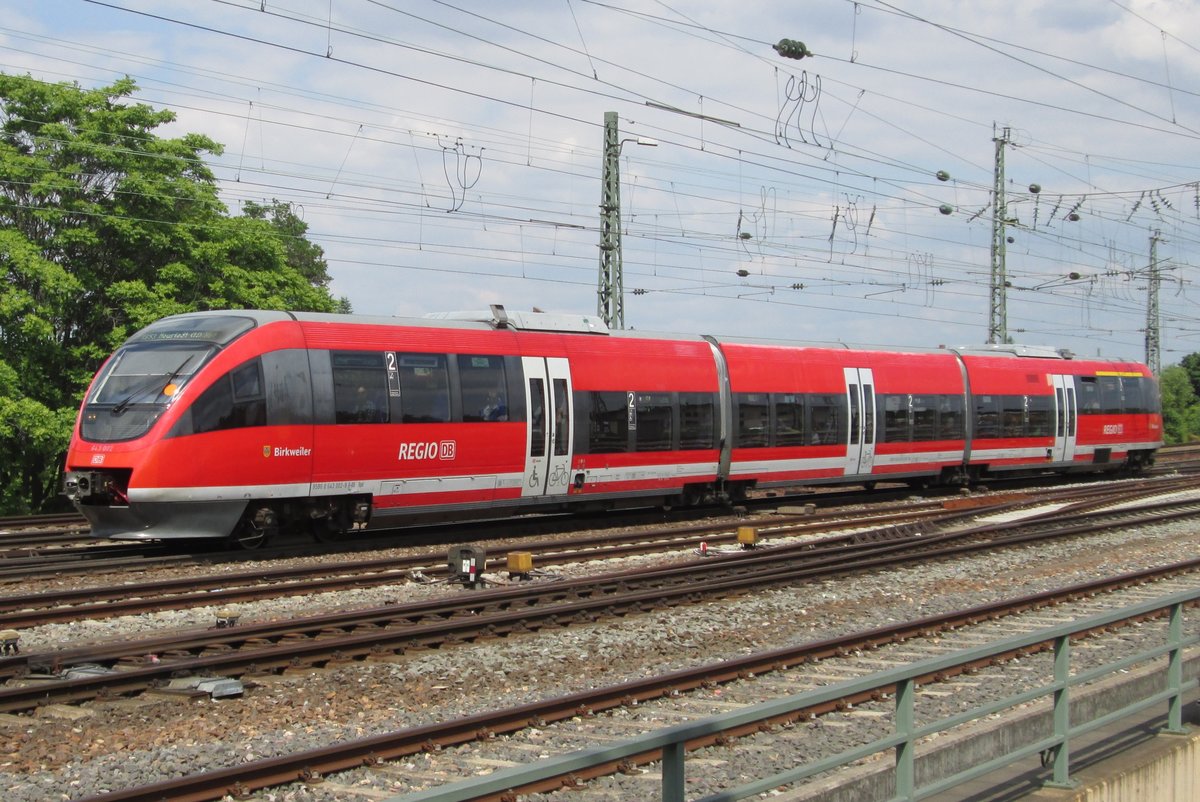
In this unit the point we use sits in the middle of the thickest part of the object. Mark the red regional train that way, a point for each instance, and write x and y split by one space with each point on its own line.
240 424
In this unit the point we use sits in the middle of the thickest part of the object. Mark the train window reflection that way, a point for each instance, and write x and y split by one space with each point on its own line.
753 419
608 425
484 388
654 422
359 387
696 421
424 388
234 401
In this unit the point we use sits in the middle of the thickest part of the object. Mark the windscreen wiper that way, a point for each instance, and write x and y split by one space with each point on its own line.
124 403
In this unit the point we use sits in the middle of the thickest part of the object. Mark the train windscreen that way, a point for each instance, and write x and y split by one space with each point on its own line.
146 374
135 387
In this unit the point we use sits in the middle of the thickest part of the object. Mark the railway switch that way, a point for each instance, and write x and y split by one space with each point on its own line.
466 565
520 565
747 537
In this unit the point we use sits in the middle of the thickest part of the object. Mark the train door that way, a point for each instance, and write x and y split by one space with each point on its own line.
860 437
1065 419
549 411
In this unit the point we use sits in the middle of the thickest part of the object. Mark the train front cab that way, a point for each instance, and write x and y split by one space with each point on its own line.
1119 414
155 452
1037 411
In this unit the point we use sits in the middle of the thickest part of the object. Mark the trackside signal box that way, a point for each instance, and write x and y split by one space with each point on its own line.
466 565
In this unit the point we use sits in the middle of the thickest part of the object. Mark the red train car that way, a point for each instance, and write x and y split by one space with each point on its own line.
242 423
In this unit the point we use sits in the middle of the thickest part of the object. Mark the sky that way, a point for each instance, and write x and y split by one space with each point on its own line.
449 155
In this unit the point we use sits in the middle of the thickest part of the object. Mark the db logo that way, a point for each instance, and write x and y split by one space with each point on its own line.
431 449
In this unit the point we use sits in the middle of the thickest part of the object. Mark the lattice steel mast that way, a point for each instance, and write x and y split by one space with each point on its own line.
998 314
610 293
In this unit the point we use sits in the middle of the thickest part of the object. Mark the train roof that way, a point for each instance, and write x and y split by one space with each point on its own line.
497 317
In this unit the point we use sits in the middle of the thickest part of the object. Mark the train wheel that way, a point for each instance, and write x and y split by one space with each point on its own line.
256 529
324 530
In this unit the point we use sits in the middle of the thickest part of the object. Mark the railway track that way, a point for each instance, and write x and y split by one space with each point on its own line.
377 633
25 535
658 699
25 610
60 544
20 611
32 545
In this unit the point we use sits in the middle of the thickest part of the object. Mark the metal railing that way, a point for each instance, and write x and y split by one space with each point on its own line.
1054 748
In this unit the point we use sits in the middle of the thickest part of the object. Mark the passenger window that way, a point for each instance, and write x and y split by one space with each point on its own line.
987 417
895 417
1040 409
1014 416
950 422
827 419
924 418
359 387
789 420
696 421
1135 397
753 419
608 424
424 388
654 422
1111 402
1087 393
484 388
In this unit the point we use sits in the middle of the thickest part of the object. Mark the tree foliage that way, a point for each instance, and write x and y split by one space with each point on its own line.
1191 365
104 228
1180 404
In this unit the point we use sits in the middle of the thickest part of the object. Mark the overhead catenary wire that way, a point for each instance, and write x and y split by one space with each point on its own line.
786 177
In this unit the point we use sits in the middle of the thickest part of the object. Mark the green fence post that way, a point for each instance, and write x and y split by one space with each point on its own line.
905 775
672 772
1062 715
1175 672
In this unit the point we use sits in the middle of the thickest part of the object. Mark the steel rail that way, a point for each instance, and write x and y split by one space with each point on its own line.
34 554
335 637
311 765
34 609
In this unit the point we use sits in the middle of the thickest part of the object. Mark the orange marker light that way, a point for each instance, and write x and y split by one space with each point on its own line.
170 389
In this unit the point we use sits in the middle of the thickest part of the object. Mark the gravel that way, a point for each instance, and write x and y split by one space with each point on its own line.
66 753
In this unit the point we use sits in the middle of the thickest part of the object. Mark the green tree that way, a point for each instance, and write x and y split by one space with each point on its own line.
1191 364
306 257
104 228
1180 405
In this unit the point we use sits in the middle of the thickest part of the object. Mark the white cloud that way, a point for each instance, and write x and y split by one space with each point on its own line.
449 158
